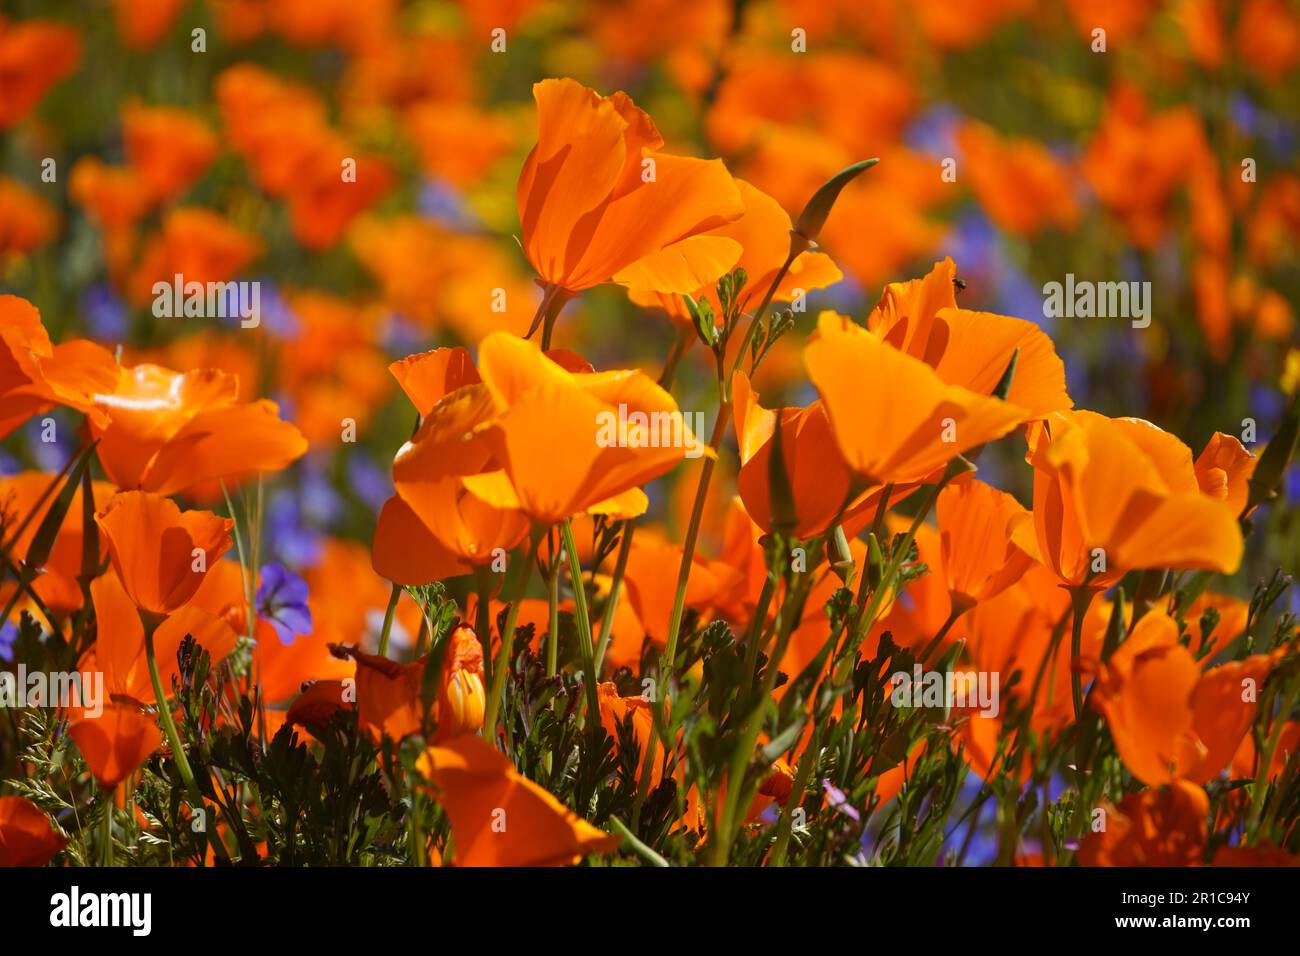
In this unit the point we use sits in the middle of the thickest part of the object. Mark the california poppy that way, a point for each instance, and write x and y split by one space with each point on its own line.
595 194
36 375
27 221
976 531
893 417
160 553
1159 826
34 55
26 836
1020 184
501 818
1169 718
169 147
571 421
116 743
1112 495
170 431
970 349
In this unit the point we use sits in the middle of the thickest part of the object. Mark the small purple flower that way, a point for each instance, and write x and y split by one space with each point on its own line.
282 600
8 635
839 801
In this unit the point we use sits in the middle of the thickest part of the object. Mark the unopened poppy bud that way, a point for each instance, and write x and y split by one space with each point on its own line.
779 782
813 217
1273 462
780 494
875 562
839 556
463 698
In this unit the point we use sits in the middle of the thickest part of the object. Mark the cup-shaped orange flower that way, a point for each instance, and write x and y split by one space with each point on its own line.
35 55
761 240
501 818
894 418
819 480
977 525
389 694
459 530
1168 718
119 648
160 553
616 710
1114 495
595 195
1164 826
569 441
116 743
26 836
36 375
1223 471
970 349
170 431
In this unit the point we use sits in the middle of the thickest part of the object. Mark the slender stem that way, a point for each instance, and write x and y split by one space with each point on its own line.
497 682
1081 598
583 621
164 712
616 586
108 827
387 629
1266 763
483 616
553 617
641 850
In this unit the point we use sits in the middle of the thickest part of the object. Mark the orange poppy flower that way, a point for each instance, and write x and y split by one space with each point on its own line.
116 743
1157 827
501 818
170 431
36 375
595 195
34 55
1169 719
427 377
170 147
1113 495
438 132
1268 38
57 586
389 702
196 243
894 418
601 435
1137 161
27 221
430 475
143 23
1020 184
819 480
318 703
119 648
26 836
970 349
761 240
114 197
615 710
160 553
1223 471
333 187
976 532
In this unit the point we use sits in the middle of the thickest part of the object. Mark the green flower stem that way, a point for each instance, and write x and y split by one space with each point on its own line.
583 621
641 850
616 585
1081 599
387 630
483 616
108 826
497 682
151 623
